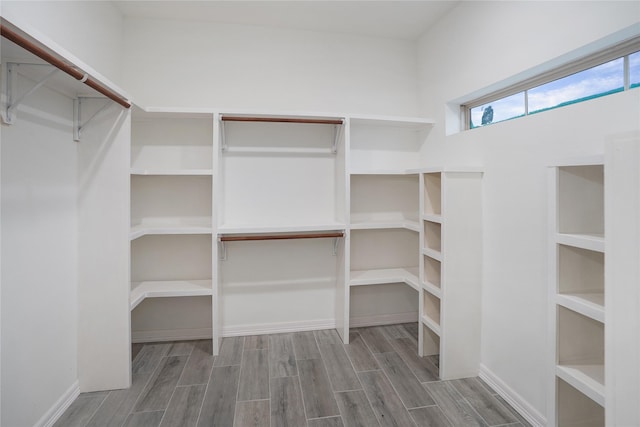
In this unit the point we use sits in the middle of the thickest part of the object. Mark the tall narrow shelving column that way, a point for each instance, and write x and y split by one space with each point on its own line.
383 191
576 293
171 210
451 269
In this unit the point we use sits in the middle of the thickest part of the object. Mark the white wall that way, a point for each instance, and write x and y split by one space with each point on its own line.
195 64
90 30
39 258
479 44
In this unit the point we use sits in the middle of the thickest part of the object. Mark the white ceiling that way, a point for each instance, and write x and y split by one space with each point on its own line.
393 19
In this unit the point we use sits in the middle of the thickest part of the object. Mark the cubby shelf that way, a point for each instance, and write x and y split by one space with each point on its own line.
385 276
429 323
432 289
592 242
587 304
373 225
588 379
432 218
431 253
171 226
172 172
174 288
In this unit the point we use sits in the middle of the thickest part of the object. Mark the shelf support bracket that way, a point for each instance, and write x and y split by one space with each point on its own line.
338 132
223 251
77 115
335 246
10 89
223 139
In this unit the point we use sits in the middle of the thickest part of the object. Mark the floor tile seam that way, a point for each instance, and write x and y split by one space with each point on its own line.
235 404
98 408
330 416
436 402
507 424
304 405
406 363
464 399
326 371
142 390
350 362
256 400
206 389
398 394
368 399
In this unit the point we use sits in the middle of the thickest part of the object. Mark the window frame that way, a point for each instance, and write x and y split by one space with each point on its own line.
621 50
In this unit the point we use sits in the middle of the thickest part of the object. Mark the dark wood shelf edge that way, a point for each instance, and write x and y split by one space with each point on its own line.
281 120
249 237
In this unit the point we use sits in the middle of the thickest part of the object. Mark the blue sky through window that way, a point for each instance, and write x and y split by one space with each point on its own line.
503 109
596 81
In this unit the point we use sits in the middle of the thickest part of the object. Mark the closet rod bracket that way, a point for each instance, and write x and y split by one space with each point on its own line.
338 132
223 251
78 125
10 89
335 246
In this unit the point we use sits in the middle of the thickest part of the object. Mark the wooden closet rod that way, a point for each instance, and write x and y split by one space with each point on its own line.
281 120
41 53
280 236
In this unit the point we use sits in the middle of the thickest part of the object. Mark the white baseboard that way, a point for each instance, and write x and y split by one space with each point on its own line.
58 408
383 319
170 335
523 407
278 328
269 328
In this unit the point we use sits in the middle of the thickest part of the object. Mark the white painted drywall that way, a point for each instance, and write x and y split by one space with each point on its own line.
90 30
103 249
39 258
479 44
196 64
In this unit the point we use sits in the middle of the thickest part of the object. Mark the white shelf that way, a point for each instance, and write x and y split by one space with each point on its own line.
376 225
432 289
429 323
384 172
592 242
394 121
588 379
432 254
278 150
159 289
172 172
587 304
149 226
432 218
385 276
255 229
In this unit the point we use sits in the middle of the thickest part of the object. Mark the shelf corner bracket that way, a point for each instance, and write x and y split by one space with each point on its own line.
10 90
77 115
223 251
335 246
223 139
338 133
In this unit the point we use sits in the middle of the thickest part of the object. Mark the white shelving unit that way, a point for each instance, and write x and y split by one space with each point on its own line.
280 191
576 293
171 205
383 205
451 268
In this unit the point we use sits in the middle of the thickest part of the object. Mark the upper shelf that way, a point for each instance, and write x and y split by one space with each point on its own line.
282 119
416 123
172 172
269 229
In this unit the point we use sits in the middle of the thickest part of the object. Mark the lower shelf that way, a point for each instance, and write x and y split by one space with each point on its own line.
159 289
588 379
384 276
429 323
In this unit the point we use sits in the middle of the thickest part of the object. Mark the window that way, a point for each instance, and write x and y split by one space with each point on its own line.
602 74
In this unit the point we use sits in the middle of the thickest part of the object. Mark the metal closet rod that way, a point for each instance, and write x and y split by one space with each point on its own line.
281 120
41 53
280 236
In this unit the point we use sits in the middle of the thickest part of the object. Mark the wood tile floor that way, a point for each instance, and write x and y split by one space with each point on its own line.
303 379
